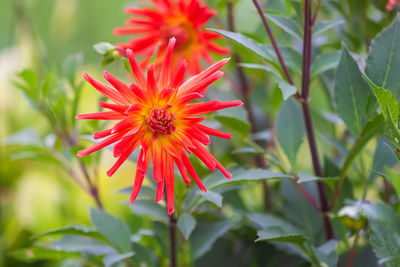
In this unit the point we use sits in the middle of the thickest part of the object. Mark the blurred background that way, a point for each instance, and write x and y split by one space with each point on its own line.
36 193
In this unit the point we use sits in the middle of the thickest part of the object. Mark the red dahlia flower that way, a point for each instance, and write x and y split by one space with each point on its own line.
182 19
157 116
391 4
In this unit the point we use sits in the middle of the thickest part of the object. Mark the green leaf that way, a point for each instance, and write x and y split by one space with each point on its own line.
233 124
276 233
306 178
385 243
288 25
352 93
40 253
386 101
290 129
325 62
111 259
322 26
384 156
113 229
240 175
83 245
149 207
370 129
247 42
265 67
383 63
286 88
212 197
326 253
394 179
205 236
186 223
72 230
267 220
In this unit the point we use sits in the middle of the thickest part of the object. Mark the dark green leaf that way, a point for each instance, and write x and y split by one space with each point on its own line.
383 63
276 233
290 129
113 229
205 236
186 223
385 243
352 93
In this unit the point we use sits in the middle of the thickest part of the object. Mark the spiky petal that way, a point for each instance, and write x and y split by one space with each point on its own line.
156 115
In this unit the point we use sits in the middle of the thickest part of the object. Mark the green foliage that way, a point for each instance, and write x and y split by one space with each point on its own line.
290 129
272 197
116 232
352 93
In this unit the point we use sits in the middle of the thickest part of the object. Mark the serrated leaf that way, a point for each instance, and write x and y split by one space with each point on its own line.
286 88
287 24
72 230
113 229
290 129
205 236
352 93
383 63
385 243
325 62
386 101
186 223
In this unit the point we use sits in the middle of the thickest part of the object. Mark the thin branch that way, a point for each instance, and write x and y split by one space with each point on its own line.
289 78
273 42
305 93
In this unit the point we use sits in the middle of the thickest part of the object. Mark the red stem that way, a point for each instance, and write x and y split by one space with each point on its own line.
305 84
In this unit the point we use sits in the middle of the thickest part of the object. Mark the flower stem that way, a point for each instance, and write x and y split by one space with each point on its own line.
244 90
290 80
172 240
305 93
353 251
273 42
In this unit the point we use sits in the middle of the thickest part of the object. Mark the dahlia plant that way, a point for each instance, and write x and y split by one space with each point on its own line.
308 158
